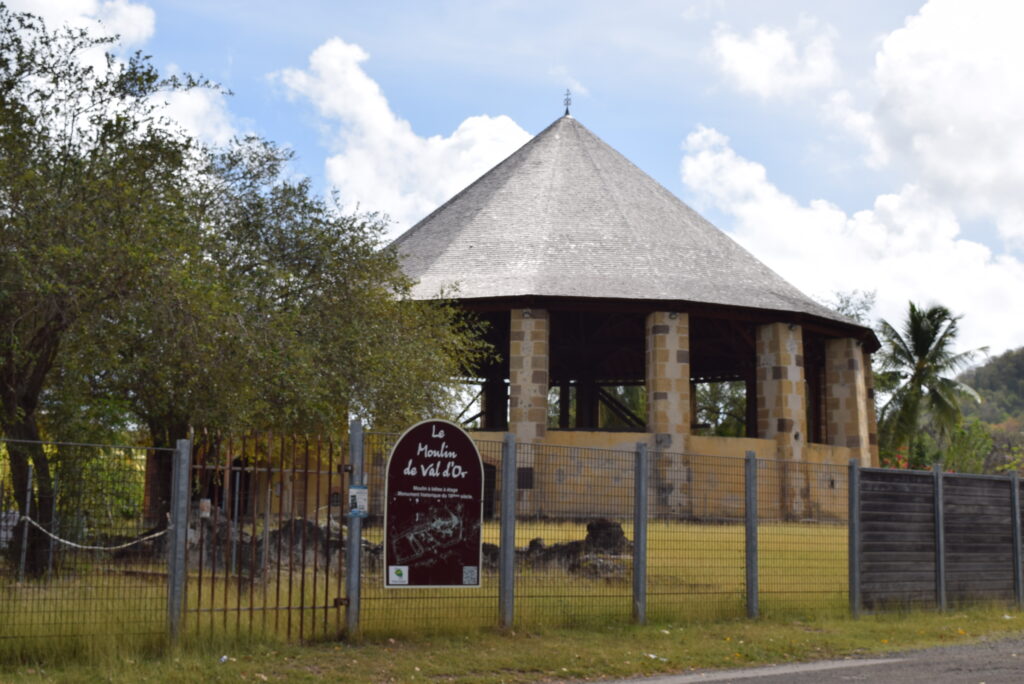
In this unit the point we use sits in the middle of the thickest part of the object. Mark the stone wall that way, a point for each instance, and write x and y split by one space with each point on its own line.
668 377
846 398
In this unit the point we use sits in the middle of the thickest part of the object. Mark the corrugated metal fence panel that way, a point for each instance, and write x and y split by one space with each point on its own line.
897 526
979 538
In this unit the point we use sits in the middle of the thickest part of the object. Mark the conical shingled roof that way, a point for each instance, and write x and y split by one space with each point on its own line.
568 216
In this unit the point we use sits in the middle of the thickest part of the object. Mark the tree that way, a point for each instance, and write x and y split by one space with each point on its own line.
89 178
917 362
970 445
145 279
855 304
722 407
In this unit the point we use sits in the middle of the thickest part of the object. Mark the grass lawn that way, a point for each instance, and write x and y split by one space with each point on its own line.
695 572
539 655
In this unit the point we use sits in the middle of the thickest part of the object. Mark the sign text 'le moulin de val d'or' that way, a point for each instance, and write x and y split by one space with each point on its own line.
434 503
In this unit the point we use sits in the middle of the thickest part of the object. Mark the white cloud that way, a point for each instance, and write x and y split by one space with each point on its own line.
950 107
907 246
133 22
202 113
382 164
861 125
769 62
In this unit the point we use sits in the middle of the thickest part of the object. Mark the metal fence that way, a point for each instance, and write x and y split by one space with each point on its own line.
260 541
264 549
81 562
604 535
935 539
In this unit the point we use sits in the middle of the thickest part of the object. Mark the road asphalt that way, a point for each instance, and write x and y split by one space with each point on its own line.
986 662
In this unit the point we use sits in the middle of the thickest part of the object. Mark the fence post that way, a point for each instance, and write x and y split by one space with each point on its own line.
54 526
750 519
353 543
940 540
24 526
507 538
177 536
853 495
1018 571
640 477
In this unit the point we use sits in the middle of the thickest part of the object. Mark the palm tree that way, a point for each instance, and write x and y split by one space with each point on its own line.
918 365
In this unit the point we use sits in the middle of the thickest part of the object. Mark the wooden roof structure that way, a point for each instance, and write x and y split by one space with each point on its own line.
567 217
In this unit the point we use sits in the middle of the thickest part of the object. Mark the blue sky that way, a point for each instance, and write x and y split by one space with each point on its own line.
868 145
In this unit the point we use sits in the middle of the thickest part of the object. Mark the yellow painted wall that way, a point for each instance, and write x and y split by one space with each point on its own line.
587 474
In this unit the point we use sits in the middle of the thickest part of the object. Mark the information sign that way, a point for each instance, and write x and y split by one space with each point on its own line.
358 501
433 507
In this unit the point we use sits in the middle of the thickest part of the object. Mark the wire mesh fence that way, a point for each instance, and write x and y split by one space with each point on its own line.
803 538
265 552
574 531
83 561
696 555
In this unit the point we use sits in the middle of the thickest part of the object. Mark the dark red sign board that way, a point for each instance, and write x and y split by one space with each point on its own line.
434 503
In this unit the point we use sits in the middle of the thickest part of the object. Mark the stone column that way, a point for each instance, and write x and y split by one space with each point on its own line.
869 384
669 408
782 410
781 391
846 398
528 374
668 378
528 398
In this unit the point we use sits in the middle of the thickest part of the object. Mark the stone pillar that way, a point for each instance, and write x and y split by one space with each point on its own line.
528 374
668 378
782 410
528 399
846 398
781 390
869 384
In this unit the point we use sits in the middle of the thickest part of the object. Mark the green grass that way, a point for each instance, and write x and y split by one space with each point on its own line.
695 574
488 656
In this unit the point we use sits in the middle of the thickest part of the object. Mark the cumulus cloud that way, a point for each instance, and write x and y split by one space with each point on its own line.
133 22
381 163
948 103
769 63
202 113
906 246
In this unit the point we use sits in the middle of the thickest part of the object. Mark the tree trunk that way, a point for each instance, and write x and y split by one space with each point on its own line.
36 503
165 434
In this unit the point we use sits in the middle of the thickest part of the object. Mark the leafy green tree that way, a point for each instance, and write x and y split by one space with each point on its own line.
855 304
1000 382
917 362
970 445
89 178
144 279
722 407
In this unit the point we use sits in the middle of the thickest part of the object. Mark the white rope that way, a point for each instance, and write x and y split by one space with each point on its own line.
85 547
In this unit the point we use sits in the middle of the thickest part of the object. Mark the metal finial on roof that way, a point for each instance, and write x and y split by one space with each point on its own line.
567 101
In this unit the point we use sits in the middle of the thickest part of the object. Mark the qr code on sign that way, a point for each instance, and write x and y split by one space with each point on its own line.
470 574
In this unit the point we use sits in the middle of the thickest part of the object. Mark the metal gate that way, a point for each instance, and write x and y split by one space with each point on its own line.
265 537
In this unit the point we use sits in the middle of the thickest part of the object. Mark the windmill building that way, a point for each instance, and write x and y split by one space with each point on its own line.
610 301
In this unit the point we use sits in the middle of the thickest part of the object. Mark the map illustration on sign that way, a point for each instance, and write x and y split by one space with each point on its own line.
434 504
